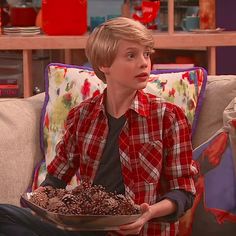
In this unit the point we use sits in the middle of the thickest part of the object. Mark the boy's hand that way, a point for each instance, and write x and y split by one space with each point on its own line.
39 189
135 227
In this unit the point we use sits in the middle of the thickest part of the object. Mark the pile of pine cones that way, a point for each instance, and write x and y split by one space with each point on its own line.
83 200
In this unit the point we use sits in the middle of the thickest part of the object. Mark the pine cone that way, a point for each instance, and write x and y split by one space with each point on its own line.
60 193
54 204
126 206
64 210
40 199
75 209
68 199
50 191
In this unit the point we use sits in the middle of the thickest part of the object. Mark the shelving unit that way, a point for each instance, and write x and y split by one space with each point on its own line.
163 40
168 40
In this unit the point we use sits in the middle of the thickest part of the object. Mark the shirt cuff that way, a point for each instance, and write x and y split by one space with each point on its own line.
53 181
182 199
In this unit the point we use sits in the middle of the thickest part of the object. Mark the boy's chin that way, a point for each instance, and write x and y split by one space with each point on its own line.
142 85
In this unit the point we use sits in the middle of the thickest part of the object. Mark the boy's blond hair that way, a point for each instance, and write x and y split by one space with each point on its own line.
102 44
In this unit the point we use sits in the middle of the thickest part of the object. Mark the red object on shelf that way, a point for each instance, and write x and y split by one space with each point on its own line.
61 17
22 15
9 90
185 60
207 11
149 12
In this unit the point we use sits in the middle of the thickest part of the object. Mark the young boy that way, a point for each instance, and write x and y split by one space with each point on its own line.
130 142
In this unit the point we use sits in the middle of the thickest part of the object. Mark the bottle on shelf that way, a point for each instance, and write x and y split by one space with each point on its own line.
22 14
207 14
4 14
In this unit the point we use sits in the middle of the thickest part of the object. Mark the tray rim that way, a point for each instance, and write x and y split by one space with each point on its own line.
56 219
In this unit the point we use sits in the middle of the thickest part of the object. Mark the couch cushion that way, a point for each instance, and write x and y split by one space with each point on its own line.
220 90
19 145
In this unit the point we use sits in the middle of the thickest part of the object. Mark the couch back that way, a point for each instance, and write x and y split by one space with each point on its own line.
220 90
19 145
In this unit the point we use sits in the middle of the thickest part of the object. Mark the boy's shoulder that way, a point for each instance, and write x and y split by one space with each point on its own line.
159 102
88 105
93 101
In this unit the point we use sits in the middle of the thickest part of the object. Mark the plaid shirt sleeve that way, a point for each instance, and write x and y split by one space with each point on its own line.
179 167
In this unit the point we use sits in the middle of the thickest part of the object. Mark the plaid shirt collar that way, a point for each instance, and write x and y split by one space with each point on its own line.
140 104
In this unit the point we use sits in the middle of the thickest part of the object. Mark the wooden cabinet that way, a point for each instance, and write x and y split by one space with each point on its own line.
163 40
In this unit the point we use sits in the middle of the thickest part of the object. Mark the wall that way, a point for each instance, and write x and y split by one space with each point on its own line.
226 18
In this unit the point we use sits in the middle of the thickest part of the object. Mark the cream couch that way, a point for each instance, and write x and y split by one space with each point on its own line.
19 133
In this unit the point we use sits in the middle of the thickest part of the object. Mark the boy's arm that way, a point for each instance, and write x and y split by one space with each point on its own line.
182 199
179 169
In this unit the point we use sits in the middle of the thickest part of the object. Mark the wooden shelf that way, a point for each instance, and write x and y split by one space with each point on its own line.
162 40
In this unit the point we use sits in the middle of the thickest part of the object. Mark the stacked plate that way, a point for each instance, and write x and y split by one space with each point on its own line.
22 31
207 31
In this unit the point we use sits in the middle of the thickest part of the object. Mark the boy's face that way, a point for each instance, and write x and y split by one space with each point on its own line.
131 67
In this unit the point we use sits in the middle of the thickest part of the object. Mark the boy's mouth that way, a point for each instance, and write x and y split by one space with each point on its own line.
144 74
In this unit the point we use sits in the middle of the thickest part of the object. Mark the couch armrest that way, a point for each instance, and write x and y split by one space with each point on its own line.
19 145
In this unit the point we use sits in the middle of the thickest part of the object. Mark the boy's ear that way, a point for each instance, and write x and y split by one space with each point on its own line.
104 69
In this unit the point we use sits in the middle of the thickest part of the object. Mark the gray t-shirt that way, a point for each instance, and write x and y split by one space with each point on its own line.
109 173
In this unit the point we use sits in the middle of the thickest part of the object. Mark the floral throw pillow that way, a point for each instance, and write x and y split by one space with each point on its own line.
68 85
65 87
183 88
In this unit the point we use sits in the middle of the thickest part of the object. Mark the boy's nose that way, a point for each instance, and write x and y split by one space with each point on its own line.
144 61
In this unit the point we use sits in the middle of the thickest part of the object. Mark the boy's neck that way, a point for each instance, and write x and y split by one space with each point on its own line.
118 103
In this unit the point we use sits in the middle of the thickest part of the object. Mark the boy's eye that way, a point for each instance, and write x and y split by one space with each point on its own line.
147 54
130 55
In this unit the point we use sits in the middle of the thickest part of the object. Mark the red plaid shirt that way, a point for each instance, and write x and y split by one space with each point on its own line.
154 145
